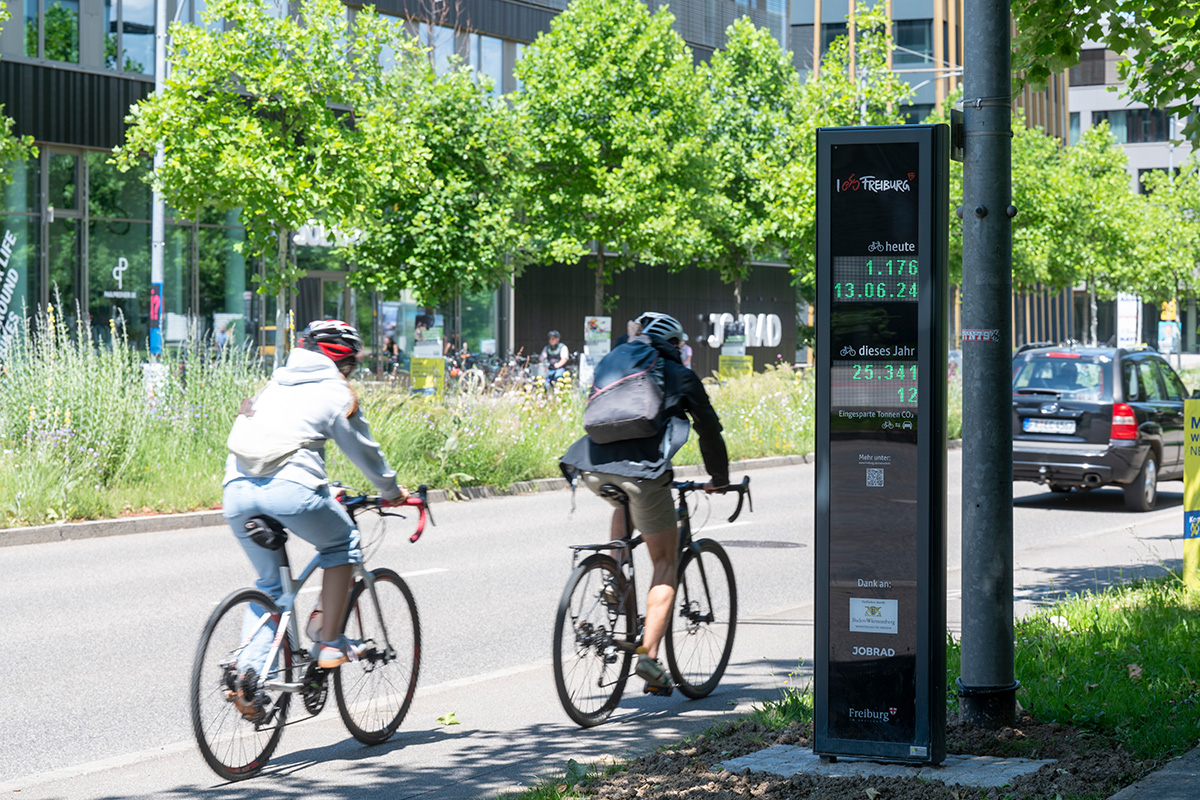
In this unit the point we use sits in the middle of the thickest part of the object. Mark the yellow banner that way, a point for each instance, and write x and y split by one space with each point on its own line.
427 376
733 366
1191 494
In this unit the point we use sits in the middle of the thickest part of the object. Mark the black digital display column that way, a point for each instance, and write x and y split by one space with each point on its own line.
882 199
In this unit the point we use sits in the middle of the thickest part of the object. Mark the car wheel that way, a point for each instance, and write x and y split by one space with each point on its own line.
1058 488
1143 492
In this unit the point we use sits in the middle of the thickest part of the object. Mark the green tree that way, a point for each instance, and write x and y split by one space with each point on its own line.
753 122
1169 264
289 118
1160 42
12 147
1097 233
611 116
454 233
869 94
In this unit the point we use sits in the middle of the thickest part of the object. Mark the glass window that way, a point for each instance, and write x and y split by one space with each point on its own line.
387 54
112 193
63 250
1134 125
227 288
119 278
831 31
520 52
1175 388
490 62
916 113
1073 135
59 31
64 189
129 35
1090 71
31 29
914 41
177 282
21 193
802 47
1148 379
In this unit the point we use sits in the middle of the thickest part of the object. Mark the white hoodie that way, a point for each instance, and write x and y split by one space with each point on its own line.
308 397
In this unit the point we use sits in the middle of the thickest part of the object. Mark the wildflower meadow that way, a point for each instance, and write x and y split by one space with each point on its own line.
91 431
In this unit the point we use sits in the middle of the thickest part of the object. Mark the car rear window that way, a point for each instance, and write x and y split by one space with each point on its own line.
1076 377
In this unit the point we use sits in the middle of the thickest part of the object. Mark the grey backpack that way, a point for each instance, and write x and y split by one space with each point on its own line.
627 395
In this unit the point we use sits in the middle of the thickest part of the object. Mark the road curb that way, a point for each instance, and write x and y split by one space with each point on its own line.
65 531
61 532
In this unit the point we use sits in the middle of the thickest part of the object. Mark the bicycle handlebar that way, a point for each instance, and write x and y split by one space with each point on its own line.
418 499
742 489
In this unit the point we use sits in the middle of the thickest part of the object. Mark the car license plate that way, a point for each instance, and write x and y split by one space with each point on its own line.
1035 425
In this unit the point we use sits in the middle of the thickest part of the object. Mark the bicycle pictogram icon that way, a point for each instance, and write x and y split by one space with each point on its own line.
875 246
847 351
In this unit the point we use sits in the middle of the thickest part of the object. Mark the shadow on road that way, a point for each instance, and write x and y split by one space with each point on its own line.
462 762
1100 501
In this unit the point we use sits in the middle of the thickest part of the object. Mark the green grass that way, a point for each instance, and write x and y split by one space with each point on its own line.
87 432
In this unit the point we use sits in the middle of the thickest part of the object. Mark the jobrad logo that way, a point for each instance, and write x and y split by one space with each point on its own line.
868 715
871 183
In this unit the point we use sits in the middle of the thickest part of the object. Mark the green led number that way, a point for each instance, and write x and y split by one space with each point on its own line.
892 267
886 372
908 395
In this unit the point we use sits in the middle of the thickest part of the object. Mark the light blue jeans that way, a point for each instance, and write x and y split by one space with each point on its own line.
313 515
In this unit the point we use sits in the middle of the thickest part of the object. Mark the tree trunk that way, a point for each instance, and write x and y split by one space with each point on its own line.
737 297
1092 327
598 304
281 303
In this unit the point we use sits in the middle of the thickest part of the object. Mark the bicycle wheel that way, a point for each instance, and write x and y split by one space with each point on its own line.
236 725
590 669
700 635
374 693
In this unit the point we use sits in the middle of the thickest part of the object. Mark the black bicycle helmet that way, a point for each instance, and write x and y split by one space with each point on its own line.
336 339
663 325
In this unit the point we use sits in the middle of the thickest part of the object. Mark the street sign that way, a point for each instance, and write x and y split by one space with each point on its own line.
880 663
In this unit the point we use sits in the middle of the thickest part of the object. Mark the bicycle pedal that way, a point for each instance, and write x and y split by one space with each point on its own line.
659 691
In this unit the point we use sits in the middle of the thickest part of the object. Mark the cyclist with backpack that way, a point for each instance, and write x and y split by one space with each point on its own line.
636 419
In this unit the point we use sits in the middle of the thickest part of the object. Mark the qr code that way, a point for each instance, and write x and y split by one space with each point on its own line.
874 477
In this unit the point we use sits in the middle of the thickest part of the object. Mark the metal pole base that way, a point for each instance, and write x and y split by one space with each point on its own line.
987 706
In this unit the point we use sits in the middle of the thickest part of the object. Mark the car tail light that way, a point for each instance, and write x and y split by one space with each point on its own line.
1124 422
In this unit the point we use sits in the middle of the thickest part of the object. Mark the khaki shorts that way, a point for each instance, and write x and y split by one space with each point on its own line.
650 501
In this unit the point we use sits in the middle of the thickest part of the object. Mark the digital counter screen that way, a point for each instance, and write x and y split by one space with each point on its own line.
858 280
873 299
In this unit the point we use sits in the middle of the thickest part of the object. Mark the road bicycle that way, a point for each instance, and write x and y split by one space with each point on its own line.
599 625
239 709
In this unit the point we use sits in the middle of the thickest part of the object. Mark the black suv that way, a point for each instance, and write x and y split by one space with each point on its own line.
1085 417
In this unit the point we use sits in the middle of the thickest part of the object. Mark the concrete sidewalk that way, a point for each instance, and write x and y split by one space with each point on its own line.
1177 780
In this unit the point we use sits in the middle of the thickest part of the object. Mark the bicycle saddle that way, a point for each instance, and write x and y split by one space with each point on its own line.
266 532
614 493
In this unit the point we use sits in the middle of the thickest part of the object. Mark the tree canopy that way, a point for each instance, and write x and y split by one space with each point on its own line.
1159 42
288 118
753 122
453 233
611 119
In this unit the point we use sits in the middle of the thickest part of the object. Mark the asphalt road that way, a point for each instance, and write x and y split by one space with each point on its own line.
101 633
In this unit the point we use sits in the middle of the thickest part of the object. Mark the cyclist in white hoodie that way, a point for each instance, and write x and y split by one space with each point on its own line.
276 468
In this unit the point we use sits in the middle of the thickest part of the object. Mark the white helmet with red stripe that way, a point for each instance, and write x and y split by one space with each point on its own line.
336 339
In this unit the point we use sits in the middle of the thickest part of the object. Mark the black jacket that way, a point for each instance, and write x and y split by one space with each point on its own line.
684 396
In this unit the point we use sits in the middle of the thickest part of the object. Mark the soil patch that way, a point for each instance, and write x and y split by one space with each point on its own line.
1087 766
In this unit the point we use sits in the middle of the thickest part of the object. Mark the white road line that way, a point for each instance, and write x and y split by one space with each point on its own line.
719 526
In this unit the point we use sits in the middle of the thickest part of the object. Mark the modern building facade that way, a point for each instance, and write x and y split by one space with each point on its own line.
81 230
